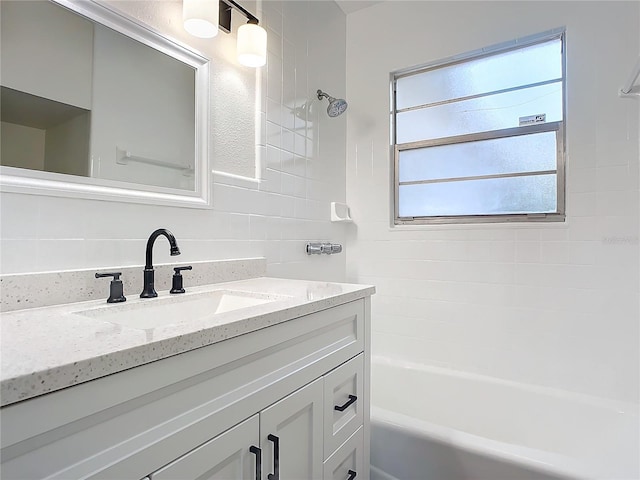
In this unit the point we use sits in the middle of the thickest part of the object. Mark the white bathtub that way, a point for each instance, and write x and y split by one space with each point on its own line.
429 423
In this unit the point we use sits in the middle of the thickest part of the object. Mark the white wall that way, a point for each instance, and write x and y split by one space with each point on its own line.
302 162
547 304
64 61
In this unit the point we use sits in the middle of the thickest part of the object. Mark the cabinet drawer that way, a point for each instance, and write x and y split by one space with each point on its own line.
227 457
343 403
347 463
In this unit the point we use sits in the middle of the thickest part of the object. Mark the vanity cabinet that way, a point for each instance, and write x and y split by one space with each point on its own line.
286 402
294 439
294 435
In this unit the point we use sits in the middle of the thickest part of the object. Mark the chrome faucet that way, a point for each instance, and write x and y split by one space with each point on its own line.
149 290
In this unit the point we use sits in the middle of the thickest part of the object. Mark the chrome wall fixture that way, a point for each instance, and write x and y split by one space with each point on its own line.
336 107
203 19
317 248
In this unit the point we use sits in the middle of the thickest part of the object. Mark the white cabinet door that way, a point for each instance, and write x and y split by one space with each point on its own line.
229 456
291 435
347 462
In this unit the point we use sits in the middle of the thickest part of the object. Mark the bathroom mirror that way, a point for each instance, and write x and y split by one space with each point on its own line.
94 104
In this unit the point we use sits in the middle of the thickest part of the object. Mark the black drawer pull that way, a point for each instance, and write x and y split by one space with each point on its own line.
258 453
352 399
352 475
276 457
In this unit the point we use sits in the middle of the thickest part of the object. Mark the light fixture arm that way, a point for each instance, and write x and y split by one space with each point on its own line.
225 14
252 18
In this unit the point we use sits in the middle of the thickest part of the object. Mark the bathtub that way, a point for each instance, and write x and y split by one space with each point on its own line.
430 423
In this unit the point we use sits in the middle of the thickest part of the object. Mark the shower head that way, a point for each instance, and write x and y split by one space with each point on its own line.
336 107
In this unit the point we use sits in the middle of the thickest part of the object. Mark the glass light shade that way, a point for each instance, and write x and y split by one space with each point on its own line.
201 17
252 45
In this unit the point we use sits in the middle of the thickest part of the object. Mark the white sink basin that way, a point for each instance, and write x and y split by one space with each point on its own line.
156 312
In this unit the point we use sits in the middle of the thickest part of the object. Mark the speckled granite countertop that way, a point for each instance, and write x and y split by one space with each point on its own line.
50 348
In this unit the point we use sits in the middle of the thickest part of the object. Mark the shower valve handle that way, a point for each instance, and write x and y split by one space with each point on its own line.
317 248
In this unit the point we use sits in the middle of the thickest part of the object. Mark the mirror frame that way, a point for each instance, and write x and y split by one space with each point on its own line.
35 182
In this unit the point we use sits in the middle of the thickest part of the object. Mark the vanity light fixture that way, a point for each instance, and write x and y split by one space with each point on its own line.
252 44
200 17
252 38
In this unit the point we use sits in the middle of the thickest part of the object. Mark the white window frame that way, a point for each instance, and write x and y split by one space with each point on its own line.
558 127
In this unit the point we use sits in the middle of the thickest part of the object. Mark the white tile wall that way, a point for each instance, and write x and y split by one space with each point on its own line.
301 149
549 304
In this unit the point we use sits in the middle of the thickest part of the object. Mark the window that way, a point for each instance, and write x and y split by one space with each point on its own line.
480 138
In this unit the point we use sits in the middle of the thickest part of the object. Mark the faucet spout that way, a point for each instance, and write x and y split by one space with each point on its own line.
149 290
152 238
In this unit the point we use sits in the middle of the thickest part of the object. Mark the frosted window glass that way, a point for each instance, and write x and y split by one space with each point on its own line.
524 153
496 196
431 105
524 66
494 112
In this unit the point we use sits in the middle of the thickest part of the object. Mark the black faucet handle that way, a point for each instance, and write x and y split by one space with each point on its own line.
179 269
176 284
116 289
115 275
